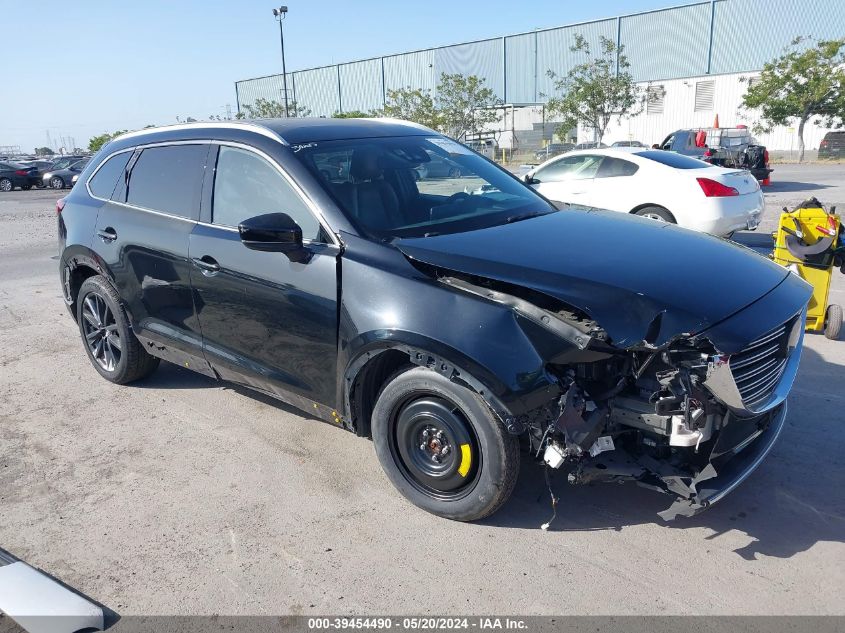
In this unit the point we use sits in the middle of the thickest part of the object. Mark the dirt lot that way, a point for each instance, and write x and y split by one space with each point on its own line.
184 496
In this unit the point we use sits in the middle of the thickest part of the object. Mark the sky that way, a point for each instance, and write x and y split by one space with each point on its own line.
92 66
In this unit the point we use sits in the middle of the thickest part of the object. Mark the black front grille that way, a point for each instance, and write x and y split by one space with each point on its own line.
758 368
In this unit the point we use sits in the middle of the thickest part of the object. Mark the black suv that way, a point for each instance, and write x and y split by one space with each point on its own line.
447 320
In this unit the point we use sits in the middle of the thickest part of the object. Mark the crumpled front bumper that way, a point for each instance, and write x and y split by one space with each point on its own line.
740 447
733 460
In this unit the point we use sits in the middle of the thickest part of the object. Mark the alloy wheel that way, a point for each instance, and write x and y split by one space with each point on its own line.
5 184
57 183
101 334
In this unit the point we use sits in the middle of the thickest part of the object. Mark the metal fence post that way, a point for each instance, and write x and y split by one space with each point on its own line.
237 98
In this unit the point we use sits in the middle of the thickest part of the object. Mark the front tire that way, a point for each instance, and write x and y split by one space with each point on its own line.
5 185
57 182
112 348
442 447
656 213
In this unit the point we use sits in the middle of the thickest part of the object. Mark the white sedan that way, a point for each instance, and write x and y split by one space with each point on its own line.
656 184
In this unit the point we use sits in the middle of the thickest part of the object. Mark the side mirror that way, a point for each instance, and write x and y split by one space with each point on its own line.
530 180
272 232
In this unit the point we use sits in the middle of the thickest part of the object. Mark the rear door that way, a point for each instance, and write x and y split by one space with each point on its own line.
142 235
268 321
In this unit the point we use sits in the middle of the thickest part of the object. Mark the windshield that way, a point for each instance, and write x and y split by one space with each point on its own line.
413 186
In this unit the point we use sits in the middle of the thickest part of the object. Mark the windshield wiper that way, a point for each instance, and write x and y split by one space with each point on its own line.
524 216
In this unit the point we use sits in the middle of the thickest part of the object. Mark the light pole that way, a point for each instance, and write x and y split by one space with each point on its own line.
280 14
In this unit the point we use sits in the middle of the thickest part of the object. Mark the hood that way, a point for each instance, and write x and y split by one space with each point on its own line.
638 278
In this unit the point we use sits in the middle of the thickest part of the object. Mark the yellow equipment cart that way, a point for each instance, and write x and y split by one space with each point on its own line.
809 241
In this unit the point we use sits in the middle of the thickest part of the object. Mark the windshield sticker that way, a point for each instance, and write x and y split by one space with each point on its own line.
453 147
296 148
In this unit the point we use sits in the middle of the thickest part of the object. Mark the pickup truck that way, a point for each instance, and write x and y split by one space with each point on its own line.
725 147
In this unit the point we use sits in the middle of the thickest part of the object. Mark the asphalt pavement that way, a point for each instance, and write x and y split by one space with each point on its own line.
181 495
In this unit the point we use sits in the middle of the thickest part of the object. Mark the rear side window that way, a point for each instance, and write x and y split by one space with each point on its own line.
246 185
103 183
671 159
616 167
168 179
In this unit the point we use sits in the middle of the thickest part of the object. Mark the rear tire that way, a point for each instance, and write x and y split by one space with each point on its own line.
833 322
57 182
656 213
454 172
442 447
112 347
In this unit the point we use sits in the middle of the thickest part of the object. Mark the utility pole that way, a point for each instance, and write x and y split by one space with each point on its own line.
280 14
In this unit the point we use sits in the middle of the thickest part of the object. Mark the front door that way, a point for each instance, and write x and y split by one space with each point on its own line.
568 179
267 320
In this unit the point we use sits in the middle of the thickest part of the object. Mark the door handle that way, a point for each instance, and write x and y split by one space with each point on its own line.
107 234
206 264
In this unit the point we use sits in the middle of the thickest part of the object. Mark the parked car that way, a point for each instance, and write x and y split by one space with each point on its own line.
438 167
591 145
445 326
654 184
833 145
725 147
58 178
16 175
553 149
627 144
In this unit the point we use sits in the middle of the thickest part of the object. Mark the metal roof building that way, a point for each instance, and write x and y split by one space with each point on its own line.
718 37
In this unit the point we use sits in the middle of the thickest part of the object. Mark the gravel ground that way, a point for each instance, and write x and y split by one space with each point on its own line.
180 495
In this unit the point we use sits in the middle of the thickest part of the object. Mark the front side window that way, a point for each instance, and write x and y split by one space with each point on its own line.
410 186
578 167
246 185
103 183
168 179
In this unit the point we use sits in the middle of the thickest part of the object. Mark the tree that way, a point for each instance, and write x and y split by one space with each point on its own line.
354 114
465 105
96 142
412 104
596 90
44 151
799 85
269 109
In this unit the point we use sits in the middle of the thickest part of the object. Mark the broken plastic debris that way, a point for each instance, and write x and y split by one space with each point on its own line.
602 444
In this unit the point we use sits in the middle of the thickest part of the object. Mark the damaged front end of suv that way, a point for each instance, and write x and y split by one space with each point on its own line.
681 389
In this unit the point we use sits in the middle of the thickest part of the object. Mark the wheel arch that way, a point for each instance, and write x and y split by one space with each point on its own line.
640 207
78 264
368 371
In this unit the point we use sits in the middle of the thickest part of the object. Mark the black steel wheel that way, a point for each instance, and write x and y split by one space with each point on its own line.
434 445
112 348
442 447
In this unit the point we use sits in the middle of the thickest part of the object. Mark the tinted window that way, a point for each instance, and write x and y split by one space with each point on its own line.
246 185
674 160
103 182
616 167
578 167
167 179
